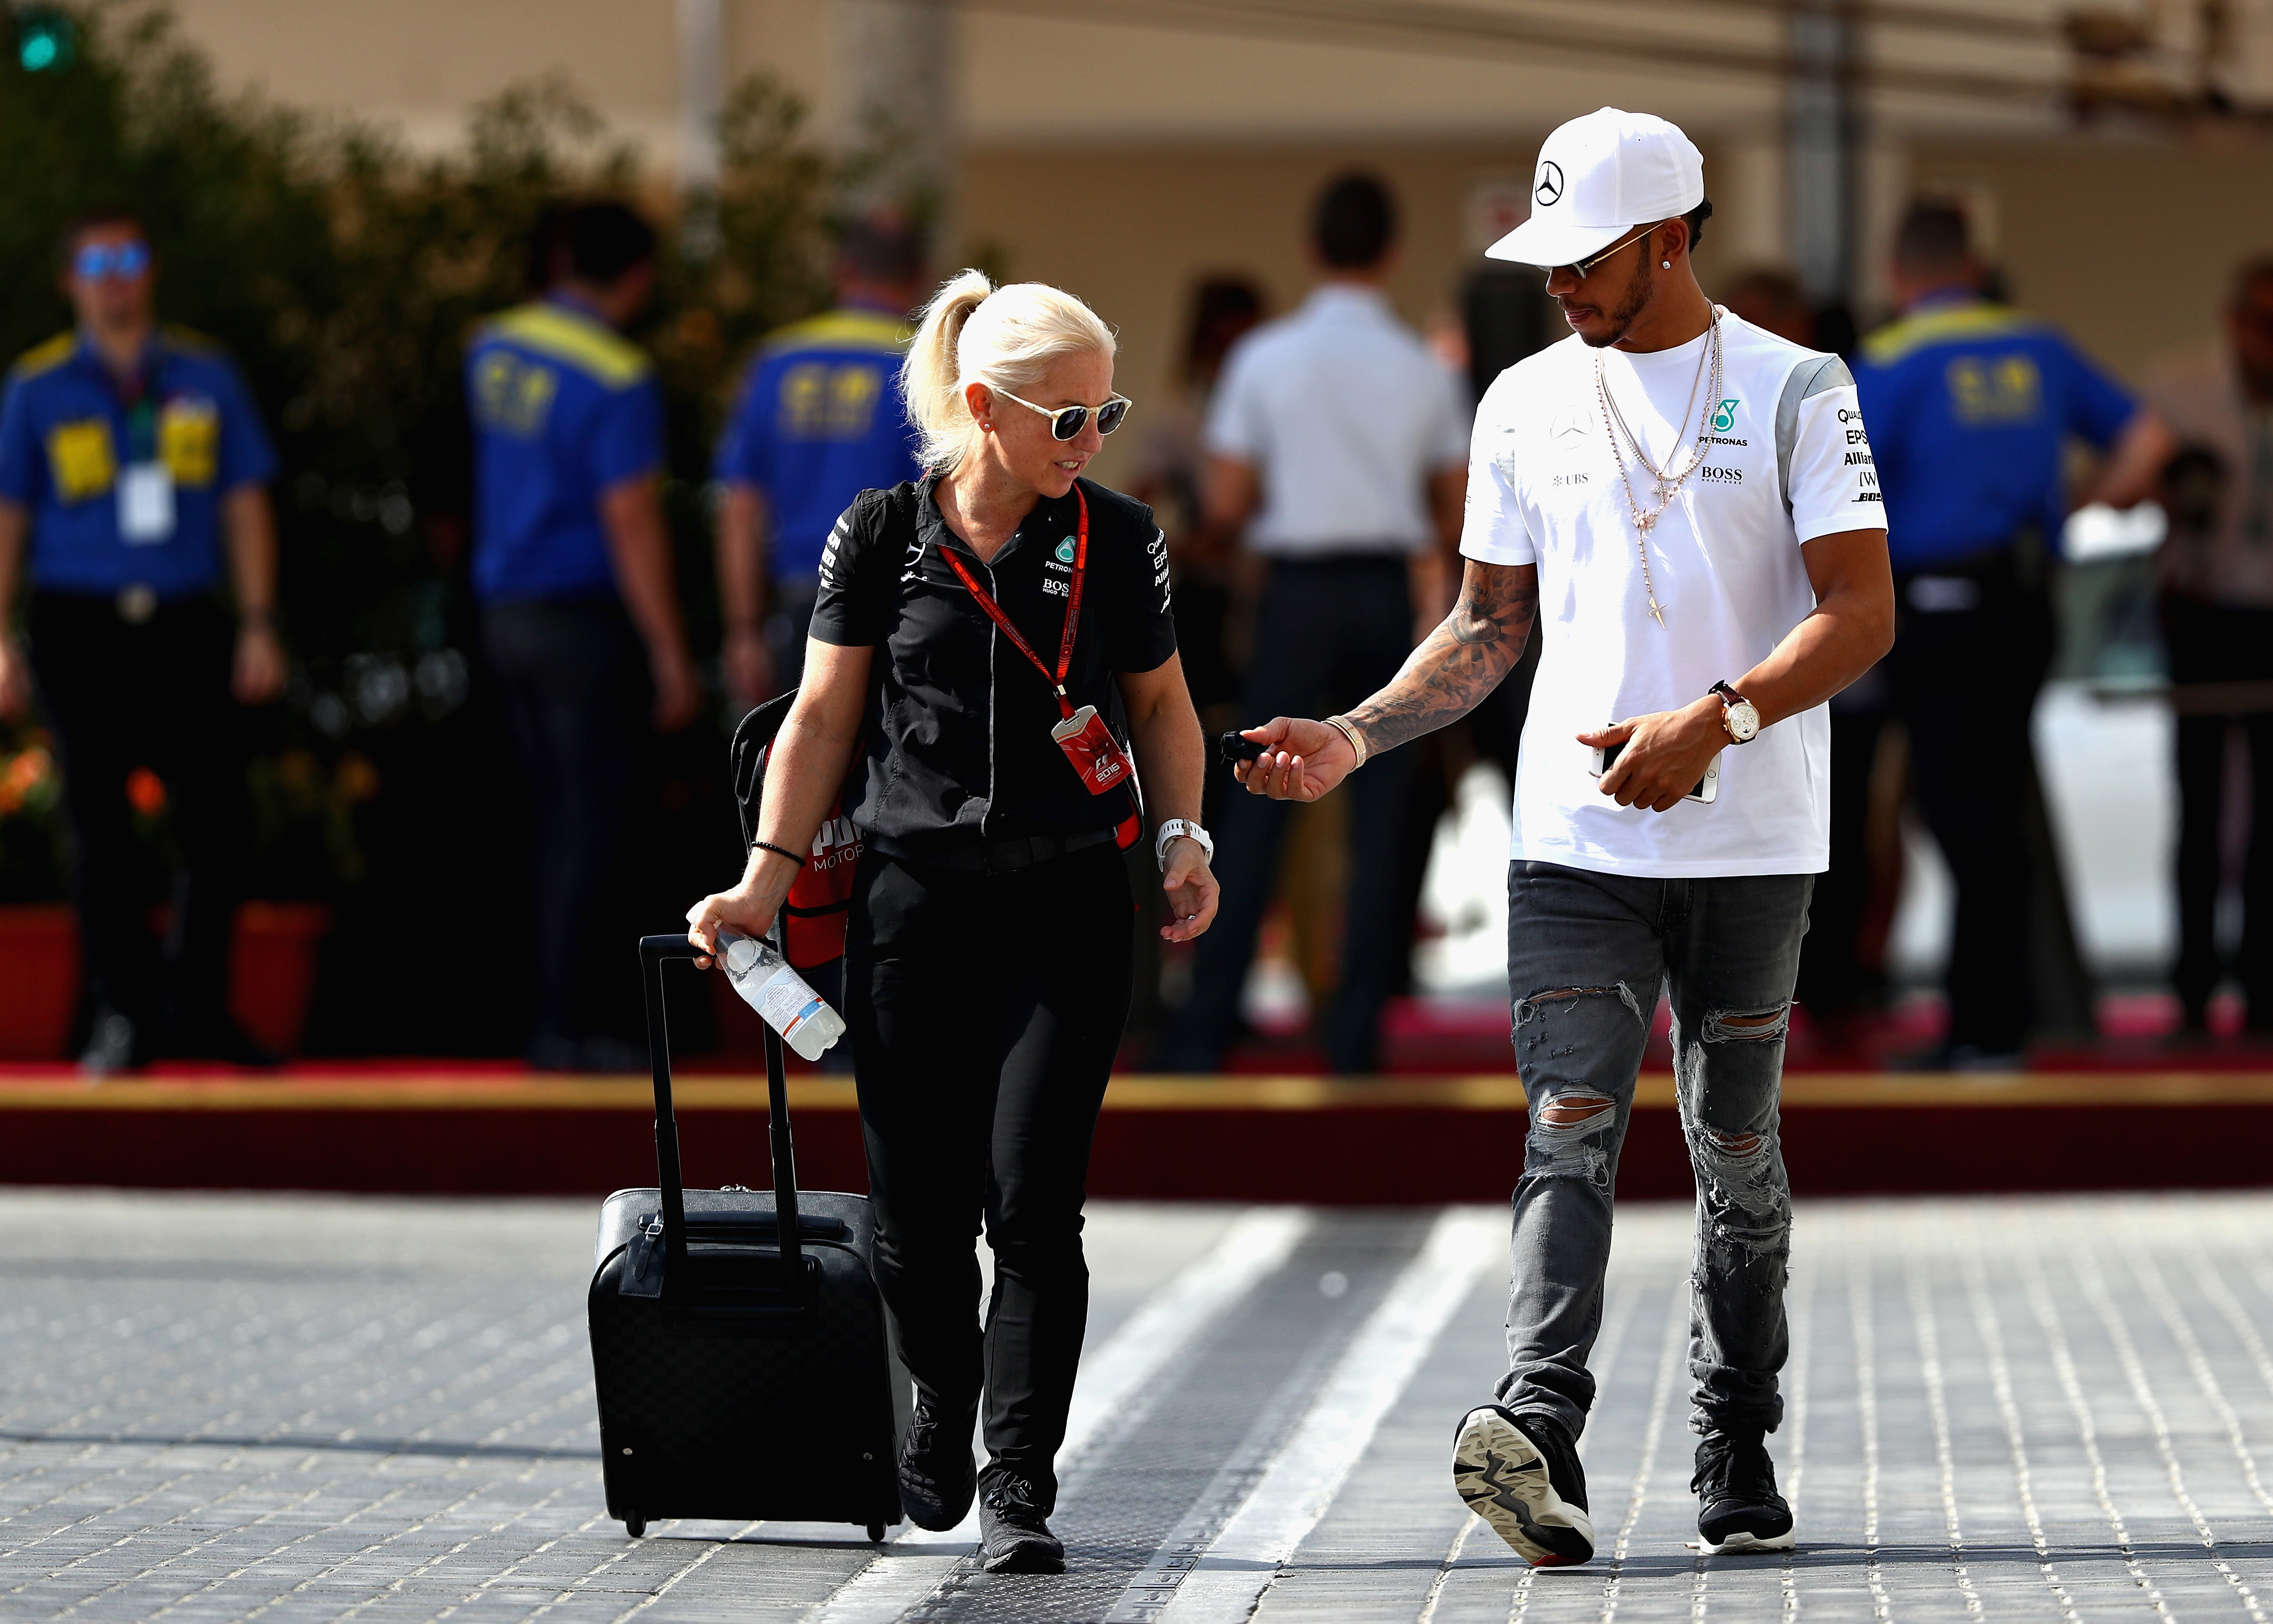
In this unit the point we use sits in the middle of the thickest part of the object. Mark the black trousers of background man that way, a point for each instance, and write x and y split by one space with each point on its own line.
985 1010
1835 981
2211 643
575 691
154 694
1328 633
1973 642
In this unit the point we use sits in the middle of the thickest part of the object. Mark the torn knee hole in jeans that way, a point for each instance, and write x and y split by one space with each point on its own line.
1739 1166
1540 1004
1747 1026
1570 1110
1566 1132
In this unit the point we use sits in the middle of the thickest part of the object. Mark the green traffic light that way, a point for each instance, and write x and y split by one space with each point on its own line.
44 42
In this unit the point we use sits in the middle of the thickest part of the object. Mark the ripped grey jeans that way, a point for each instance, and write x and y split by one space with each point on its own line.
1586 953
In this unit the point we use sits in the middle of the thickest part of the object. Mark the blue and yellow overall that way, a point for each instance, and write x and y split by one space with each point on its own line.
124 479
1972 405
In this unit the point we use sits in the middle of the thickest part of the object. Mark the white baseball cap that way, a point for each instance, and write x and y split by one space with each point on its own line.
1599 177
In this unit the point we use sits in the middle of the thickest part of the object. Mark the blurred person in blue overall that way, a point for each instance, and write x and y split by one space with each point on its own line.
1972 405
817 420
134 464
572 569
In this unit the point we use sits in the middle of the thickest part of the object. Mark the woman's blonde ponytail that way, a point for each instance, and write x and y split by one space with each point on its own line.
930 378
975 332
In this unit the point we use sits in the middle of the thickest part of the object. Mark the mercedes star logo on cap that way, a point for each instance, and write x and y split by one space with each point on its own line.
1549 189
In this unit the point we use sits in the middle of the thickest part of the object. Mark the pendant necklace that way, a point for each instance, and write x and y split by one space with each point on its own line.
1668 481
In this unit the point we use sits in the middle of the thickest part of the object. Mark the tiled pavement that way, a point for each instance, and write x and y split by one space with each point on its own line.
279 1408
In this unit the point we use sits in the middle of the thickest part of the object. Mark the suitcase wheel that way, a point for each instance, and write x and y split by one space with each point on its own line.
875 1533
634 1525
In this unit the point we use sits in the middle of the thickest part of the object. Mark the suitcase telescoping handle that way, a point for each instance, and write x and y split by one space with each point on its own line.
654 952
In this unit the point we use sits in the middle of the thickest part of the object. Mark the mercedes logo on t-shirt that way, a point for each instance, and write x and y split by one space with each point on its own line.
1550 189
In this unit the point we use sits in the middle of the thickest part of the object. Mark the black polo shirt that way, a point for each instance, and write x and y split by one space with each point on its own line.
959 745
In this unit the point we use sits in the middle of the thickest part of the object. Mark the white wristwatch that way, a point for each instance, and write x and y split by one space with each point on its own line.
1738 714
1174 827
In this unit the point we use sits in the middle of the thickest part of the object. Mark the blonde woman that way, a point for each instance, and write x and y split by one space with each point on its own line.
995 640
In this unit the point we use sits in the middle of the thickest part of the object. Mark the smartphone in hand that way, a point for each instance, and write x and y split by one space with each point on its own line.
1234 748
1708 790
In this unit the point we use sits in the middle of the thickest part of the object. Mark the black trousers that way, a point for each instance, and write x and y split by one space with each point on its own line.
1972 645
1327 634
575 691
155 695
2212 644
986 1011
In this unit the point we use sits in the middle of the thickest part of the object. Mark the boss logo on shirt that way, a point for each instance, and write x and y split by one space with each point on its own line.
1056 588
1721 476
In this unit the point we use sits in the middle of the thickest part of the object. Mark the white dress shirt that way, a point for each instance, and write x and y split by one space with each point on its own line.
1345 415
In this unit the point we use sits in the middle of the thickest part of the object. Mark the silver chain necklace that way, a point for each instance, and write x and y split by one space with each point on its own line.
1667 481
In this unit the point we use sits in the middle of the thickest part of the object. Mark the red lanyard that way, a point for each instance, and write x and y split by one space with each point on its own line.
1073 607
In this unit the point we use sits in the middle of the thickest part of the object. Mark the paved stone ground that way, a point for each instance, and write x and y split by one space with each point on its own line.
281 1407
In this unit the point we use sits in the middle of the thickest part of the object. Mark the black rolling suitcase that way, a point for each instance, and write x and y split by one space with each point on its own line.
738 1339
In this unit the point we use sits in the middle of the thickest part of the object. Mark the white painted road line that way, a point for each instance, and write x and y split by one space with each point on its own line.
1225 1584
1255 1246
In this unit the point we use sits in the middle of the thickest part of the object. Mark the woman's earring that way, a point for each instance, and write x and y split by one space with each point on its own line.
1665 265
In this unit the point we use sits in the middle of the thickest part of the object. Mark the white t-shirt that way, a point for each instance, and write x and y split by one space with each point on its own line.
1345 415
1787 462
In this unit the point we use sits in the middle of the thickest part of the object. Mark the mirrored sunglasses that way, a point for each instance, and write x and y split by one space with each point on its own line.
123 261
1067 421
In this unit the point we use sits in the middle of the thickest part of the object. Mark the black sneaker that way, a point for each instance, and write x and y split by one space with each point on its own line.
1737 1506
937 1474
1524 1478
1013 1537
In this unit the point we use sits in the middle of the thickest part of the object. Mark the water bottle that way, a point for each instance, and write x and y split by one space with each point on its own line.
769 985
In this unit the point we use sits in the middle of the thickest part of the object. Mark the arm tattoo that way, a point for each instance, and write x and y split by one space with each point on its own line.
1462 661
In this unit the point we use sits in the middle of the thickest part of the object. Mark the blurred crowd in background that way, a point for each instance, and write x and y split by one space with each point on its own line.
488 497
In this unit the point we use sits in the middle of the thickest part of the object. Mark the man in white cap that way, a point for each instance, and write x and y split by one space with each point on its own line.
1688 503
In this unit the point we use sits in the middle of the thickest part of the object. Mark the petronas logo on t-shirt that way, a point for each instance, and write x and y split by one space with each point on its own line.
1065 551
1725 418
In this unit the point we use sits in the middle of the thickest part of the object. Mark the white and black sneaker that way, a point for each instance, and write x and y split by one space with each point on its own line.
1737 1506
1524 1478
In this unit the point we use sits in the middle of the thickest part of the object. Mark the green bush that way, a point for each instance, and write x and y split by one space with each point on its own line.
345 274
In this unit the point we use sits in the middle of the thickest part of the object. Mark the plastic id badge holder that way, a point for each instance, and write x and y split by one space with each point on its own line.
146 503
1095 753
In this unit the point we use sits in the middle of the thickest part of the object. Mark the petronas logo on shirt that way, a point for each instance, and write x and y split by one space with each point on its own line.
1725 418
1065 551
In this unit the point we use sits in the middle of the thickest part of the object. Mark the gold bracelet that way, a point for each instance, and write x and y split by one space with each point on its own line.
1349 731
